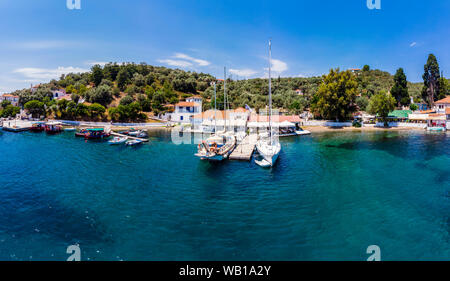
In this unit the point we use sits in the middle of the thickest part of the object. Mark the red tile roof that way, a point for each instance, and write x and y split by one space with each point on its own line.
444 100
447 110
275 118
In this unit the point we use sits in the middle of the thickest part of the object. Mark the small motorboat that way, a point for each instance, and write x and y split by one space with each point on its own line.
302 132
135 133
142 135
133 142
118 140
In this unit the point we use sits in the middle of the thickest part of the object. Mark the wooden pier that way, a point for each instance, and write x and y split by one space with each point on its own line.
244 150
130 137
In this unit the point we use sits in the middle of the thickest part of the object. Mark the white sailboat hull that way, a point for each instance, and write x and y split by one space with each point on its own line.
269 152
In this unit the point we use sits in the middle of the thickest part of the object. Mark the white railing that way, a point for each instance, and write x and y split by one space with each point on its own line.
402 124
326 123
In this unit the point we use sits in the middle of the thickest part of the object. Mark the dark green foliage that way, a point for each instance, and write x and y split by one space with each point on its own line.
400 89
362 103
35 107
382 104
431 76
335 98
9 111
97 74
101 95
126 100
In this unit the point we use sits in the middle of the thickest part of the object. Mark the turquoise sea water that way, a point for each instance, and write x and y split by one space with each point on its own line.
329 197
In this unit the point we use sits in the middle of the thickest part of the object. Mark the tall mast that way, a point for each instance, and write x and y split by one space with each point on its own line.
225 96
270 91
215 109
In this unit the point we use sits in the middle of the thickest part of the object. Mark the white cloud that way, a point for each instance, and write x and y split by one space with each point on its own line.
279 66
413 44
199 62
176 63
92 63
183 60
243 72
39 74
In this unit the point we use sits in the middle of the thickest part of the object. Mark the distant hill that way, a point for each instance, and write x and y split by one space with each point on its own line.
153 87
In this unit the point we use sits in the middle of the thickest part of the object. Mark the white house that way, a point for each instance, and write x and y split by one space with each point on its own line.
186 109
442 105
13 99
58 93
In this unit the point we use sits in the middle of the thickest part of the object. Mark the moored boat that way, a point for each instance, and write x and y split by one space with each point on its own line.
97 133
133 142
216 147
53 127
81 133
118 140
269 147
38 127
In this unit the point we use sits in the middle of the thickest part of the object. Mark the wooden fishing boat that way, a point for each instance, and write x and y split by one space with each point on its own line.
53 127
38 127
97 133
81 133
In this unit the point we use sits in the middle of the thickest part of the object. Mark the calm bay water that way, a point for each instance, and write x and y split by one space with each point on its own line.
329 197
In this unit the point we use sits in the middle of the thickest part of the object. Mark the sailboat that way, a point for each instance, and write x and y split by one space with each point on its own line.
268 147
220 145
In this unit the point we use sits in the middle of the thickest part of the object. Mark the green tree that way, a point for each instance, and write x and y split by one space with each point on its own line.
5 103
400 89
382 104
366 68
101 95
81 110
97 74
96 110
444 87
126 100
335 98
9 111
413 107
362 103
35 108
122 79
431 76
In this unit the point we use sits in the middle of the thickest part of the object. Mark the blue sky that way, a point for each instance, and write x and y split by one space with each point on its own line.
39 40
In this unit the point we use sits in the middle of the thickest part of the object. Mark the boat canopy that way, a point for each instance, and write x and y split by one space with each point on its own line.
95 130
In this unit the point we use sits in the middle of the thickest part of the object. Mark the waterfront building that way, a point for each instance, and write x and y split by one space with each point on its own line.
185 110
442 105
12 98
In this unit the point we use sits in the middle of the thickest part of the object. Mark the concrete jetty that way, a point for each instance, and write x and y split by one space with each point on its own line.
17 125
244 150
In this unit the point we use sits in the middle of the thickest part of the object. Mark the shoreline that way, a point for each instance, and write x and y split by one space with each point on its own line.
321 129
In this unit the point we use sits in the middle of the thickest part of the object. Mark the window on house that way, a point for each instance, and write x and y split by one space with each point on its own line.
181 117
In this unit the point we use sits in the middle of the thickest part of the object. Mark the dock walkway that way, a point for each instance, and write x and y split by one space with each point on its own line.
16 125
244 150
130 137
